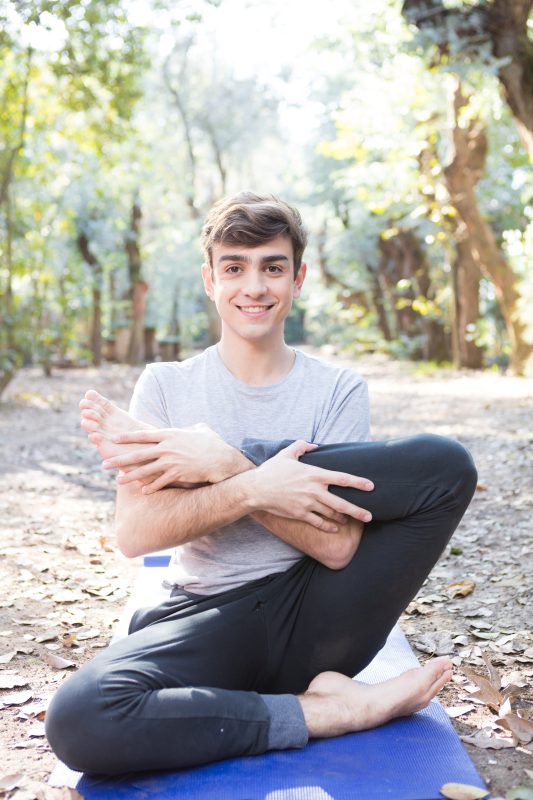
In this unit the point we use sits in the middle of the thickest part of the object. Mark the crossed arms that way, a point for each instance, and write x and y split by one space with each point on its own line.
287 497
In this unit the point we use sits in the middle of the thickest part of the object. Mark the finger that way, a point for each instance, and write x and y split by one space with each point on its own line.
158 484
344 507
344 479
143 456
146 473
319 522
329 513
95 438
138 437
298 448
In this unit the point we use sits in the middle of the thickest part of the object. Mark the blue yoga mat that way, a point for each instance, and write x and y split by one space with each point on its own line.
407 759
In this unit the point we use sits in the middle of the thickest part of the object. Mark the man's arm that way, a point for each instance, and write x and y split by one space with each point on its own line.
279 492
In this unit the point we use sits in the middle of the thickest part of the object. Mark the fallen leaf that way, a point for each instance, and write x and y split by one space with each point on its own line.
8 681
494 675
7 657
56 661
36 731
478 612
35 710
485 692
488 742
462 791
438 643
47 636
520 793
481 488
8 782
520 727
89 633
67 596
458 711
460 588
16 698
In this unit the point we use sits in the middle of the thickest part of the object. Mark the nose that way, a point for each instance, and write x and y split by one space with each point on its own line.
255 284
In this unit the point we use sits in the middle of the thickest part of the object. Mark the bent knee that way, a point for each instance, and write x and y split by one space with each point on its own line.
71 723
79 725
451 458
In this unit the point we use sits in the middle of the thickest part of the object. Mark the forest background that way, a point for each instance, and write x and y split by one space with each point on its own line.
403 132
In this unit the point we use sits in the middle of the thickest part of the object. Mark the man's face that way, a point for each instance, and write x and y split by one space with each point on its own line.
253 287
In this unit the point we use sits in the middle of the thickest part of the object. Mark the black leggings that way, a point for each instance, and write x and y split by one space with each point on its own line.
183 688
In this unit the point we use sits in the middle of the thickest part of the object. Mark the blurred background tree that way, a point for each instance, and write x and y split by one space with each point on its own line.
403 132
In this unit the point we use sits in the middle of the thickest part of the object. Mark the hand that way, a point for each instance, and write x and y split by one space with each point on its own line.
287 488
183 457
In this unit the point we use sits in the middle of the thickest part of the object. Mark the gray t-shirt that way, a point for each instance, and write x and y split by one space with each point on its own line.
316 401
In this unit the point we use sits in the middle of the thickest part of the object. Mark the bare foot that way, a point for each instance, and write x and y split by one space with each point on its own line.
335 704
102 420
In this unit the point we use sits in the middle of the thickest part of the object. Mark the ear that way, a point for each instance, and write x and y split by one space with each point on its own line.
207 277
299 279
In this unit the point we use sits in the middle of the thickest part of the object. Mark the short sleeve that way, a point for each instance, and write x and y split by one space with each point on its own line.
348 415
147 402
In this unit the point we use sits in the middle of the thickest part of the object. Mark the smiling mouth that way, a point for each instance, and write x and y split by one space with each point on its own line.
254 309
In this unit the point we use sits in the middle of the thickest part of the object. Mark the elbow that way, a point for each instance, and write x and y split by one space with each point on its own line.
128 541
339 556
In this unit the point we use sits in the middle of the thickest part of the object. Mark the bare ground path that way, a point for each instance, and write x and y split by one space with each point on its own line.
63 583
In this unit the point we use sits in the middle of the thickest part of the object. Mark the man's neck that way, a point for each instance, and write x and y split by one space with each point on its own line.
257 363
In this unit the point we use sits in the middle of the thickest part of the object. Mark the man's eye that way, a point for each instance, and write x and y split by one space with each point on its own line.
233 268
274 268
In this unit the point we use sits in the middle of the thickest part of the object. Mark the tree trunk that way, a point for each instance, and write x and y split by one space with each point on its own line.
138 288
466 279
466 29
96 319
378 298
404 270
9 357
508 20
462 175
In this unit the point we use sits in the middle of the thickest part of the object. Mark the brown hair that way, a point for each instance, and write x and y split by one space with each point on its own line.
253 219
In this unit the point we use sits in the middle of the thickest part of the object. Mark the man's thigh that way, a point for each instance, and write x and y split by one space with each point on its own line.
203 643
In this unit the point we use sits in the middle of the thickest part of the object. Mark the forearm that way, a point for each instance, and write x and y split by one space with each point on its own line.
334 550
171 517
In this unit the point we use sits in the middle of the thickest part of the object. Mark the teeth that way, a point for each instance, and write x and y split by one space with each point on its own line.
253 309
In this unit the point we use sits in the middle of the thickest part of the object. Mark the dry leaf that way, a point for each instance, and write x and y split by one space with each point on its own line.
488 742
89 633
520 727
10 681
439 643
56 661
36 731
104 545
5 659
8 782
481 488
16 698
460 588
458 711
462 791
486 692
494 675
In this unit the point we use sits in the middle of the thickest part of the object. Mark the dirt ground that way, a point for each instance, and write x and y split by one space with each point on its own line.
64 583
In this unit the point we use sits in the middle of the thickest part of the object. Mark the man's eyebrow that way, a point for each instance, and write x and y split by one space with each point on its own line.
246 258
234 257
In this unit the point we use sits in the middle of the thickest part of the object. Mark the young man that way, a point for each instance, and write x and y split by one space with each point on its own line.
277 597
